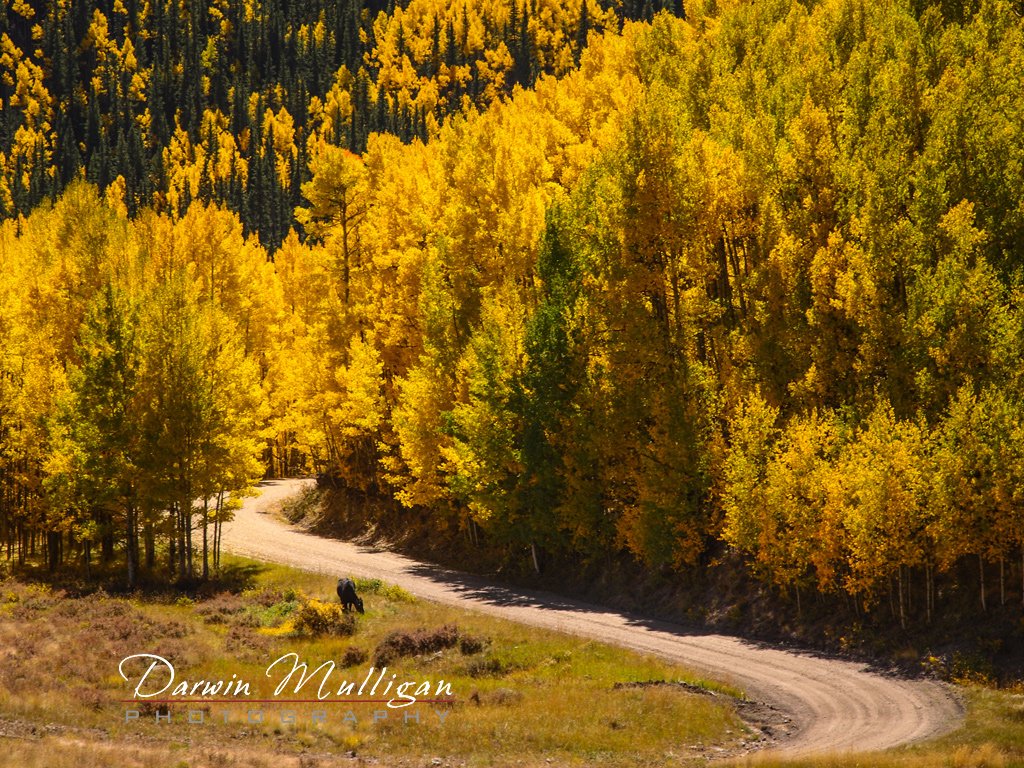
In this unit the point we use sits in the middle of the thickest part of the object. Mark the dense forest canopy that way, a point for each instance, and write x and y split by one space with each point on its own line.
228 100
751 276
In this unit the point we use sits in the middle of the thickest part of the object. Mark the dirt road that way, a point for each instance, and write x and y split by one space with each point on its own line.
832 705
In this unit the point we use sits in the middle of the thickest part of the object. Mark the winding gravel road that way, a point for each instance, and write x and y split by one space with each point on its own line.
832 705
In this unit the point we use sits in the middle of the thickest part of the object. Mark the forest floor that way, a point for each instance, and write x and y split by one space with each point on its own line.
827 704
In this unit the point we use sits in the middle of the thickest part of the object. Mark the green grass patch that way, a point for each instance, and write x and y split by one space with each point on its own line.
391 592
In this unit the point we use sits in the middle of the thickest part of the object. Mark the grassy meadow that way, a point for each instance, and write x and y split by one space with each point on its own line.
522 696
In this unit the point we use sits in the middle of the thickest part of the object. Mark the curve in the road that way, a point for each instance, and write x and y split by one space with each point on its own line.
834 705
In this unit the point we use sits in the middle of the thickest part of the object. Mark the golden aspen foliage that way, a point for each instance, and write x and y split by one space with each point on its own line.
584 286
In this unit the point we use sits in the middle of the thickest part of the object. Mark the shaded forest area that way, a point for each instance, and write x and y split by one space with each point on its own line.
748 280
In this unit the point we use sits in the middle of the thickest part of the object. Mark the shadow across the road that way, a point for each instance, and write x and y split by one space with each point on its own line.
482 589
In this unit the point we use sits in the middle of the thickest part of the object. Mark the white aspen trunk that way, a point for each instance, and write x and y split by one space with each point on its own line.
206 538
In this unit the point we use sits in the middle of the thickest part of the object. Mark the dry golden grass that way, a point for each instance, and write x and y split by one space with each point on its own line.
523 696
62 752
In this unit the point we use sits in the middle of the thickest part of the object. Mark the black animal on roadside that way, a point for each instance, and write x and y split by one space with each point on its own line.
347 595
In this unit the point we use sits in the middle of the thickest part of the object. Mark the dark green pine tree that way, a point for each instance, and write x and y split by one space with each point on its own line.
205 191
582 29
550 381
186 198
523 54
235 195
452 55
68 160
435 48
123 168
359 127
268 215
17 188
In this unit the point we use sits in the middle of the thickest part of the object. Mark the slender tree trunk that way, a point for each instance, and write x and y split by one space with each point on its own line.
909 591
150 544
928 592
218 529
183 552
206 526
892 602
132 544
53 550
1002 580
903 615
107 539
172 549
533 552
724 286
981 573
86 557
189 550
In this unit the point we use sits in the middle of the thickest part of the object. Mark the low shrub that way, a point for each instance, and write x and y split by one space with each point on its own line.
315 617
353 657
399 643
468 645
487 666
